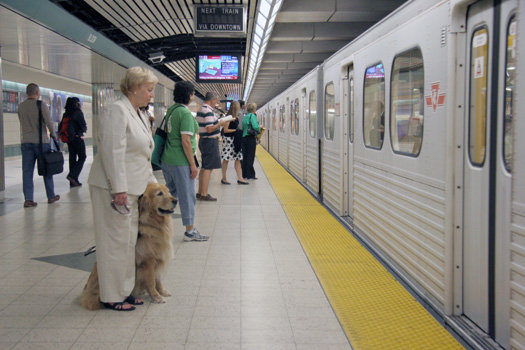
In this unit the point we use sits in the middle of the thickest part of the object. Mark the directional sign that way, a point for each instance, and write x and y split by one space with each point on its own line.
222 19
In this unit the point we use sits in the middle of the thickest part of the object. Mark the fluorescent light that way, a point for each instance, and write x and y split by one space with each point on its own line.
262 32
259 30
265 8
261 20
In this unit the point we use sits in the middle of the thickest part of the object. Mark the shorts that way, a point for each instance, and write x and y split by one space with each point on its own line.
210 155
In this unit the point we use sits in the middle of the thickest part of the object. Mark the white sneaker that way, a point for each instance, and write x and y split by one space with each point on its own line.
194 236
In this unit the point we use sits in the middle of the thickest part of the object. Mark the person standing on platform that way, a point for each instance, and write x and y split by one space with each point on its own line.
120 173
178 159
151 119
231 145
242 113
74 136
249 142
28 115
209 134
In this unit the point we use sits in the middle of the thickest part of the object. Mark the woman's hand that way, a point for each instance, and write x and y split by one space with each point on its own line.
120 198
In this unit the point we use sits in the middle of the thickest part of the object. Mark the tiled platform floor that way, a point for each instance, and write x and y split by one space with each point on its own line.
249 287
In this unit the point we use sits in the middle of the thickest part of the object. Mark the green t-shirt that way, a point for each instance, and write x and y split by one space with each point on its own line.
180 122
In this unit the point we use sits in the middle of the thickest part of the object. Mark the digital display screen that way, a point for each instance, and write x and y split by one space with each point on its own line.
218 68
377 72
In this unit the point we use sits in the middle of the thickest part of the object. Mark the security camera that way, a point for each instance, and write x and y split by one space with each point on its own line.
156 57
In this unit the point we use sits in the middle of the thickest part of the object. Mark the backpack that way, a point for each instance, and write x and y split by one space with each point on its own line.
66 132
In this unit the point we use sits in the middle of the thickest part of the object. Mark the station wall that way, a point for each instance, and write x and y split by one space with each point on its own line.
54 90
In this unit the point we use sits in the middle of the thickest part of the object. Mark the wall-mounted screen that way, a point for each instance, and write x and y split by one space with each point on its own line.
218 69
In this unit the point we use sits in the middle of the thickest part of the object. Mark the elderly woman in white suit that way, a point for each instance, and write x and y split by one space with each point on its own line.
120 173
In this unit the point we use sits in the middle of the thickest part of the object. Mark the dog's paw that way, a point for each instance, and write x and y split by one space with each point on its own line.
165 293
158 299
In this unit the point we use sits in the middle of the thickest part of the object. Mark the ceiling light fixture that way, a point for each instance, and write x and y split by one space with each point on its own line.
266 14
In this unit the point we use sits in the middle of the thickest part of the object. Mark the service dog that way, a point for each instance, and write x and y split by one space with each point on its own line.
152 252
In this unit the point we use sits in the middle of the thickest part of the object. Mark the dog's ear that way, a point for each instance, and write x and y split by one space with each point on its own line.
142 203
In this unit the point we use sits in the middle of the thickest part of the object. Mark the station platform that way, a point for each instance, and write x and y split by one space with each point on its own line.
278 272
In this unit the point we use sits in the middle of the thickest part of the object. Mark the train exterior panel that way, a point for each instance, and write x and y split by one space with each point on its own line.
513 298
414 130
283 126
399 196
295 146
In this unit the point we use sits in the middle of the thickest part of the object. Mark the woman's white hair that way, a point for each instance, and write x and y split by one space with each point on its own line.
251 108
136 76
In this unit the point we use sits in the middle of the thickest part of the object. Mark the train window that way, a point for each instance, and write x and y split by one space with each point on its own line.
282 118
329 111
510 81
312 113
478 96
274 120
296 116
407 102
374 106
292 119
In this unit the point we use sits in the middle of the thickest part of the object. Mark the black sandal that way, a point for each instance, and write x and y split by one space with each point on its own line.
118 306
133 301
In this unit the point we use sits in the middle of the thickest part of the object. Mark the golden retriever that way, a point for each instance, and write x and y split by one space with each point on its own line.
152 252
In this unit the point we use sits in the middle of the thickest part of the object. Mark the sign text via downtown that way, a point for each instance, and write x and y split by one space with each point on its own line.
220 19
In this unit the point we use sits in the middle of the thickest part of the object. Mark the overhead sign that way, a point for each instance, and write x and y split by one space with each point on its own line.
225 19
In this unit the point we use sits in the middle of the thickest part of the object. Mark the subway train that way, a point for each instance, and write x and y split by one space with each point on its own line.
410 135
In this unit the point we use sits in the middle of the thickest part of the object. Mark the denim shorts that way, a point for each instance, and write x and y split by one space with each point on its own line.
211 157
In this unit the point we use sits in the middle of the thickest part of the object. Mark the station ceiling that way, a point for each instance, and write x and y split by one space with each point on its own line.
305 33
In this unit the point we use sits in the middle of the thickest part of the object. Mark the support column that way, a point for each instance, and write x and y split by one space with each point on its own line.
103 95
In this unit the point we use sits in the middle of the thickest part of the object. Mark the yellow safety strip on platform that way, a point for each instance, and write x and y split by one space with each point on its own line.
375 310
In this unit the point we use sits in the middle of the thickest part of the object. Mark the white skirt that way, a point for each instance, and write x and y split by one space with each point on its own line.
227 150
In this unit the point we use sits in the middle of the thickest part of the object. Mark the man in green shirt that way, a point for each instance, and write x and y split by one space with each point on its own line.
178 161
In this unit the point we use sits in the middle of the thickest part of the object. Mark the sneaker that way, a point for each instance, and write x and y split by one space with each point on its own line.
198 196
54 199
194 236
29 204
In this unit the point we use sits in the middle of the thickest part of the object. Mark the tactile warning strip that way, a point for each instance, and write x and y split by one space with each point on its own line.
374 309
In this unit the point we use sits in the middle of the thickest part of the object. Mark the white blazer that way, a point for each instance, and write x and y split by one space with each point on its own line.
124 146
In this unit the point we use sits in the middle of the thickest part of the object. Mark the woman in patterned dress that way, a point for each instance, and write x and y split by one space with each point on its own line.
231 150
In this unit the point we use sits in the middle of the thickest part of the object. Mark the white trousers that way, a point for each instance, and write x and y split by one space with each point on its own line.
115 237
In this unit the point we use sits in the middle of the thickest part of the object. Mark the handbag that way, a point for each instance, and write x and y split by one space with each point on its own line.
237 141
52 162
251 130
160 139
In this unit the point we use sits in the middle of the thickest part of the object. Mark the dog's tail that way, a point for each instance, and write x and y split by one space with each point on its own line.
90 297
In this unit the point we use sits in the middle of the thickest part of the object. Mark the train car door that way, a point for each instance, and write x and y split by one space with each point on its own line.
487 176
312 144
303 129
348 105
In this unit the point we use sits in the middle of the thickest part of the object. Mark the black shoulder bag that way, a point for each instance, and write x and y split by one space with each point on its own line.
49 163
159 140
251 130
